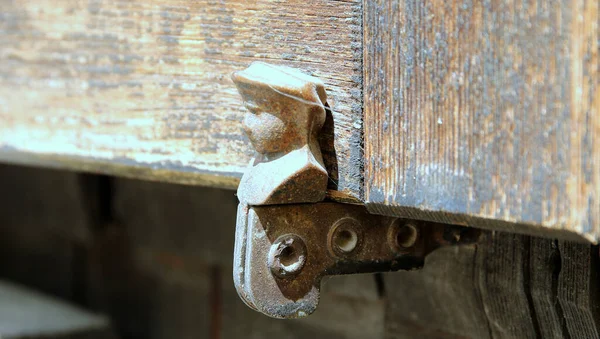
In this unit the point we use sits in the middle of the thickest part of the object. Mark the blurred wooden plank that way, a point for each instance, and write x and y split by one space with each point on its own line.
351 306
142 89
440 301
148 294
484 113
28 314
44 229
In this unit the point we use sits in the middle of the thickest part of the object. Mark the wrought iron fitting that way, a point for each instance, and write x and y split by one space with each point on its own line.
287 237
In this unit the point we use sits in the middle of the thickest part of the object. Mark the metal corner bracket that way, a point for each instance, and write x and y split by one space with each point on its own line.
287 237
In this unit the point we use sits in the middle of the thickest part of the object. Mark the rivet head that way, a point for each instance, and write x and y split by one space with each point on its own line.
287 256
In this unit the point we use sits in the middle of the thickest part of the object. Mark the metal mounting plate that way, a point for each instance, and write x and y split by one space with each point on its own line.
283 251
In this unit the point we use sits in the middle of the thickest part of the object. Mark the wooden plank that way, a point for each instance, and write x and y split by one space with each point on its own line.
182 220
143 89
484 113
147 293
503 270
544 270
578 289
44 229
506 286
350 306
440 301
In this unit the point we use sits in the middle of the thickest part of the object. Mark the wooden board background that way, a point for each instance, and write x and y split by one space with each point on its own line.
507 286
484 113
143 89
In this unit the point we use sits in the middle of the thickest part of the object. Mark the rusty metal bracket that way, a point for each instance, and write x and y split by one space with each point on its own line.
283 251
287 237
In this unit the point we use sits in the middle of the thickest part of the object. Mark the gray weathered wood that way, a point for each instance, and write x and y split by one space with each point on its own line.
484 113
143 89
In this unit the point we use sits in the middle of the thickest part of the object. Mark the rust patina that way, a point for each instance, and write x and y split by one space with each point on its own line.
315 240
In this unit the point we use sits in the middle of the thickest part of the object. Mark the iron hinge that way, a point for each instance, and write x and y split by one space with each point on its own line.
287 237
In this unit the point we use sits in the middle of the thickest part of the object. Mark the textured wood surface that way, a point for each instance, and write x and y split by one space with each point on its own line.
143 89
508 286
503 283
484 113
441 301
545 267
577 290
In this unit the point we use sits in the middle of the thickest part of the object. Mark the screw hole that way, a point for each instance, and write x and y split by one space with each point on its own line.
288 256
346 240
407 236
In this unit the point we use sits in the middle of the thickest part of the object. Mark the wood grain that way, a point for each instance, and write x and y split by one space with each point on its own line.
577 290
506 286
484 113
440 301
544 270
143 89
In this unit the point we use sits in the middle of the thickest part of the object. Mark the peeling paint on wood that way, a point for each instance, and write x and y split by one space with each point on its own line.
143 89
484 113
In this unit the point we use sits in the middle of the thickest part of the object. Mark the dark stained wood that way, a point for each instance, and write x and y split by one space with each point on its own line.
44 229
143 89
507 286
544 269
484 113
441 301
503 277
578 289
183 221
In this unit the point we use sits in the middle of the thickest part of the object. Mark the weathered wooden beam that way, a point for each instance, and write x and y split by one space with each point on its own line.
143 89
484 113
